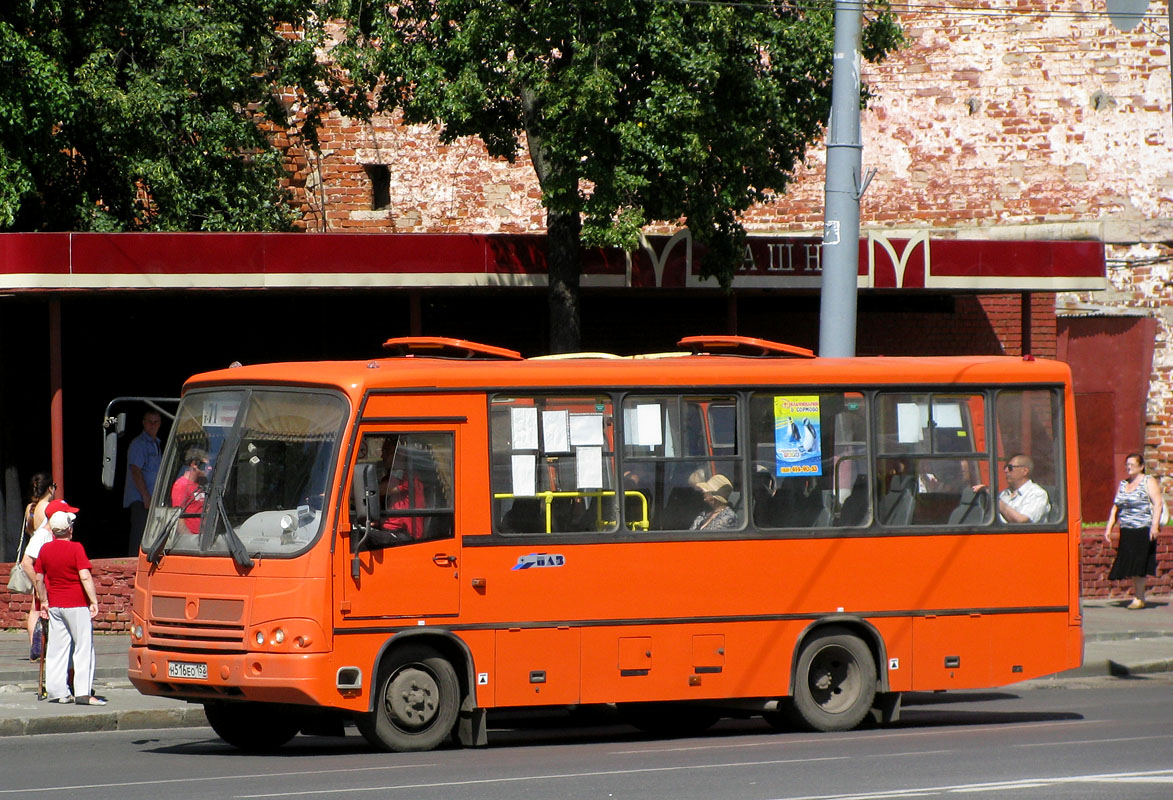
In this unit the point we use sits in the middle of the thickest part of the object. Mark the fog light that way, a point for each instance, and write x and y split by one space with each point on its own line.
260 637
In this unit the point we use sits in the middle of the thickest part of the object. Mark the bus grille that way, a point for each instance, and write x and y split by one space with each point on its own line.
203 624
196 636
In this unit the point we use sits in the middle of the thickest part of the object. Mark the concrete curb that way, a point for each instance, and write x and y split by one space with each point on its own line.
127 720
1119 636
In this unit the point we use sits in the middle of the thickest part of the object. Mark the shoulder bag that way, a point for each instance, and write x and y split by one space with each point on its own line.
18 581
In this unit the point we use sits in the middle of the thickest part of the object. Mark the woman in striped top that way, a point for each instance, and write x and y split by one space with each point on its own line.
1137 509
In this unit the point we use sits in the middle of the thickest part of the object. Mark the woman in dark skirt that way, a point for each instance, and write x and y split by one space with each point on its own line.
1137 509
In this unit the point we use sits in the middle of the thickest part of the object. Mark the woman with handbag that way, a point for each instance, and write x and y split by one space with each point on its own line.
41 492
36 528
1137 509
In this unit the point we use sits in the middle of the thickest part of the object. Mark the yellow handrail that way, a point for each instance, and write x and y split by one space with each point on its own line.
548 497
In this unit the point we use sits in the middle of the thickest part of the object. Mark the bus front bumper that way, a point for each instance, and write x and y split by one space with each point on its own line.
296 679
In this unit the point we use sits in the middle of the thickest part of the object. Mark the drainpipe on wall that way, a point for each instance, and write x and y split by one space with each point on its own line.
1025 323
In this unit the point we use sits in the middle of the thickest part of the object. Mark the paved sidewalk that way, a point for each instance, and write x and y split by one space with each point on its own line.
1118 642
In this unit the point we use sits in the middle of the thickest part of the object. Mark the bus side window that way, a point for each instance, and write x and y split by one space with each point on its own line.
415 487
553 465
933 459
810 460
671 445
1030 440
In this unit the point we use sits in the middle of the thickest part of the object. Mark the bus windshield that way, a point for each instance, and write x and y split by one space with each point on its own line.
245 473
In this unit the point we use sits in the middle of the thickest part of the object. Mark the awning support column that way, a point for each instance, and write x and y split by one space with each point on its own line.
56 425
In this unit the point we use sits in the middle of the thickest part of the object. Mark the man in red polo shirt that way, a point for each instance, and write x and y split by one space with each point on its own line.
70 602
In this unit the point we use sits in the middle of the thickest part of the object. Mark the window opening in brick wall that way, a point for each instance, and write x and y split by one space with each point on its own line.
380 178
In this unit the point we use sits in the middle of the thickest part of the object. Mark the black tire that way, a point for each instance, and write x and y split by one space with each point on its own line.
670 719
835 682
253 727
417 698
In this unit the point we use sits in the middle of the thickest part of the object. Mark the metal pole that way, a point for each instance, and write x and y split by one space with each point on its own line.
840 256
56 413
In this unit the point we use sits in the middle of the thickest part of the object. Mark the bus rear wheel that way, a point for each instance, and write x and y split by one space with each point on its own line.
835 682
253 727
417 699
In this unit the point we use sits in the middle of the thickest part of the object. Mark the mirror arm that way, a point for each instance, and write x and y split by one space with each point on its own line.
356 549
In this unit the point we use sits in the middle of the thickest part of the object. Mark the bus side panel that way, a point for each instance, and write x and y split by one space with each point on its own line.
951 652
687 662
973 651
537 666
896 640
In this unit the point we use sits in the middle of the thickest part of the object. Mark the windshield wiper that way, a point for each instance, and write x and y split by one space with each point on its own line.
155 554
235 547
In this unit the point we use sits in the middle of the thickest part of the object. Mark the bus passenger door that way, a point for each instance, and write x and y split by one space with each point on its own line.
406 563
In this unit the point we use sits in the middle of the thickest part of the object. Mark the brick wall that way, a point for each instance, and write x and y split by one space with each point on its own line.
114 579
1096 559
987 119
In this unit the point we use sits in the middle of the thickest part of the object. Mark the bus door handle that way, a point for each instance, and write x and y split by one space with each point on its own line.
444 560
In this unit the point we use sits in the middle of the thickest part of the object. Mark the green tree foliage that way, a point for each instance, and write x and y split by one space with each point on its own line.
633 110
153 114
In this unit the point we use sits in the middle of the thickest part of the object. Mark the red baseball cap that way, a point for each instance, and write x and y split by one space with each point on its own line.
58 505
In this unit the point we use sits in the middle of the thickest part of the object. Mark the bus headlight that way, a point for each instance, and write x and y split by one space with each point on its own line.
137 632
288 635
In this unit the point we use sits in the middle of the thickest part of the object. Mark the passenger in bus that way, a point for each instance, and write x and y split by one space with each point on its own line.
188 491
1022 500
397 495
763 495
719 516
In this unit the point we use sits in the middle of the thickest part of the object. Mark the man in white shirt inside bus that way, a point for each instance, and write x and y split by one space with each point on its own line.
1022 500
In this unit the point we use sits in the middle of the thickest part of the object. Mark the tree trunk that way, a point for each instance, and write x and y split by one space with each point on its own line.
564 267
563 253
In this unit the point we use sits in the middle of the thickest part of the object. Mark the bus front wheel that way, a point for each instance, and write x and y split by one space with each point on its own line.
253 727
417 699
835 682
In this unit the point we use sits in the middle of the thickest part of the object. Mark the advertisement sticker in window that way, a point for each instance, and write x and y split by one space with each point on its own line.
797 428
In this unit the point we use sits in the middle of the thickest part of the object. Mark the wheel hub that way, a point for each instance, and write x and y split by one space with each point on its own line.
834 679
412 697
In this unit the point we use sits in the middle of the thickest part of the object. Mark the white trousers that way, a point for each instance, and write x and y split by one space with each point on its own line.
70 633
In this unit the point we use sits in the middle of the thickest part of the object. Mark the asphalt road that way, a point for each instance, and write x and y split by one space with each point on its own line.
1088 740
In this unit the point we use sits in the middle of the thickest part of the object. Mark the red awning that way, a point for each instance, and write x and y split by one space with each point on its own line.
33 262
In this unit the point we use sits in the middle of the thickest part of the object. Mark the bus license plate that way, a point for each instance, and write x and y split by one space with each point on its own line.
186 669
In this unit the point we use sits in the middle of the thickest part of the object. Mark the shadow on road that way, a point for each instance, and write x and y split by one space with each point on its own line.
593 725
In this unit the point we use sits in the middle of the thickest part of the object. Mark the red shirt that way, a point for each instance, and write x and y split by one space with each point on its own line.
61 562
405 501
188 495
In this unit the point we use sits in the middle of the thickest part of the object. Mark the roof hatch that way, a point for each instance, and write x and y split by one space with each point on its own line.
443 347
742 345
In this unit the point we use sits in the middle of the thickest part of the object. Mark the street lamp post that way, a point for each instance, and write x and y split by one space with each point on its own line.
840 252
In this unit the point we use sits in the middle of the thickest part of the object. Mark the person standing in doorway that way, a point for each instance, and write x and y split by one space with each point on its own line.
142 468
1137 510
69 600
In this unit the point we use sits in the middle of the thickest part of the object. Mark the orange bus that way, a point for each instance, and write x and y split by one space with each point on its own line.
738 529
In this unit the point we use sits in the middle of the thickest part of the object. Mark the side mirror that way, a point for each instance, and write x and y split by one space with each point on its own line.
365 489
109 459
114 427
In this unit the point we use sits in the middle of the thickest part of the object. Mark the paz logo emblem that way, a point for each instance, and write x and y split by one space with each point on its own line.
540 560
